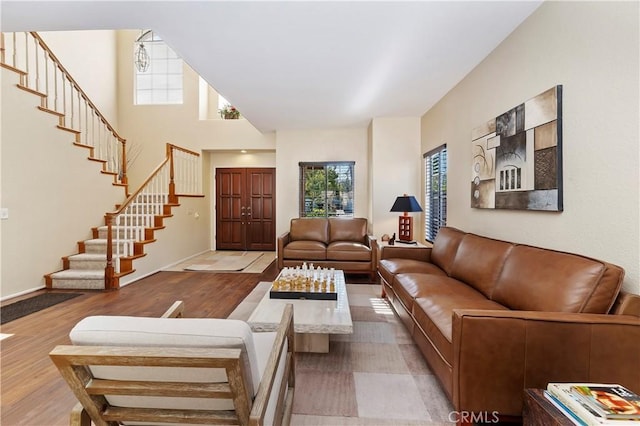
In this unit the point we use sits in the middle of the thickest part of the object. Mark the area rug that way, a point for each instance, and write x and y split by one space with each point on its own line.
33 304
227 261
375 376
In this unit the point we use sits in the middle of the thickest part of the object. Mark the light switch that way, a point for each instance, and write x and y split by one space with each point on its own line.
4 213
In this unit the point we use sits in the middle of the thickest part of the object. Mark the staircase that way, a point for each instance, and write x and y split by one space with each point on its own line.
86 269
106 257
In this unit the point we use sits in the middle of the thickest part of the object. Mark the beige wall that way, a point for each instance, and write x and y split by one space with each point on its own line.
591 48
294 146
53 193
89 57
395 170
151 126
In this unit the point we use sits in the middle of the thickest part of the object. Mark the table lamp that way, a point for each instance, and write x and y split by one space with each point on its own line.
405 204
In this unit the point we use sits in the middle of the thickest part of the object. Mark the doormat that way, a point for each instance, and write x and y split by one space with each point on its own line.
226 261
33 304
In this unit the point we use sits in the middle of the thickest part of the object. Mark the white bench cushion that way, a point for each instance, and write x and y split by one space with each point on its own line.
172 332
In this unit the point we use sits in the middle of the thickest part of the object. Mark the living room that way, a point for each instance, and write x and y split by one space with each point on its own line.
591 49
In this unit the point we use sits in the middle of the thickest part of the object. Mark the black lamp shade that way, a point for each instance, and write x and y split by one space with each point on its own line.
407 203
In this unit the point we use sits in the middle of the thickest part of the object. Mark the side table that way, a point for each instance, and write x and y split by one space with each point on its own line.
539 411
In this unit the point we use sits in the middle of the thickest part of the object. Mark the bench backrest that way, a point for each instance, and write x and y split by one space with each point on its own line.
180 371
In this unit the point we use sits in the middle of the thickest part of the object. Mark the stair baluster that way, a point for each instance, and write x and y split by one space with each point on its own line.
132 225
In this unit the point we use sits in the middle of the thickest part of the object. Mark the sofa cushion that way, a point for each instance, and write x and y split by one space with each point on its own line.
347 229
433 310
535 279
445 247
478 262
390 267
348 250
311 229
409 286
305 250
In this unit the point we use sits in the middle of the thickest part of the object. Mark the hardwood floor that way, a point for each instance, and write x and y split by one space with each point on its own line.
32 391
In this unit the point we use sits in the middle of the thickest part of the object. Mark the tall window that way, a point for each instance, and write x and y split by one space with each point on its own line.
435 216
326 189
161 83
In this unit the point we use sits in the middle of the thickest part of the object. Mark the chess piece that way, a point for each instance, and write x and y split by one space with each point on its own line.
392 240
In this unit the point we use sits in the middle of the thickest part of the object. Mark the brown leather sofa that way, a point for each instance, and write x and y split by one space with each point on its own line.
341 243
493 318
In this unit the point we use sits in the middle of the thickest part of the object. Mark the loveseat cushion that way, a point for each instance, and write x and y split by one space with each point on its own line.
310 229
479 261
305 250
348 250
433 309
347 229
535 279
388 268
445 247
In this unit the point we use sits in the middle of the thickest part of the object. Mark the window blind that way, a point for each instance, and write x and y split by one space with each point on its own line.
435 191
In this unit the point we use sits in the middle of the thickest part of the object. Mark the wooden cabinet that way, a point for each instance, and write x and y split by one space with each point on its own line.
245 209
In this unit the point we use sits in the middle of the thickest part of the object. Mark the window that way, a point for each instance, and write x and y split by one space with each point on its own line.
435 212
161 83
326 189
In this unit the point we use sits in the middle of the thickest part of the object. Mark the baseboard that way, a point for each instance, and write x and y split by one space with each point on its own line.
31 290
184 260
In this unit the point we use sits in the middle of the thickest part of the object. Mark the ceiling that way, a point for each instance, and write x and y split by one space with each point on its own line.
306 65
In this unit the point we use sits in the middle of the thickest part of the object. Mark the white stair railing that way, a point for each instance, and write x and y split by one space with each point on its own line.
42 73
180 174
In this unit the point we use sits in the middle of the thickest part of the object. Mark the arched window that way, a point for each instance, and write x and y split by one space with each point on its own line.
158 75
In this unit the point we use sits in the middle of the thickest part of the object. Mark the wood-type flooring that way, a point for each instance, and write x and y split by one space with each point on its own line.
32 391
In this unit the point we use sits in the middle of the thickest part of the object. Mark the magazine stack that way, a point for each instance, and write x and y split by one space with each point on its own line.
595 404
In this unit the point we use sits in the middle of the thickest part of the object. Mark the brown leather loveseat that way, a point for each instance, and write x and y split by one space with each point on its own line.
493 318
336 242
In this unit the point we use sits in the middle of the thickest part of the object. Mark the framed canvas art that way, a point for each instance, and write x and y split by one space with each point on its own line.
517 157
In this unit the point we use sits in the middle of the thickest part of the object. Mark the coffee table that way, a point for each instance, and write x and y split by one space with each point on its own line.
313 320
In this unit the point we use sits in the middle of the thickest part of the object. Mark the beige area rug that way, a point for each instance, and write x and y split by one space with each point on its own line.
375 376
227 261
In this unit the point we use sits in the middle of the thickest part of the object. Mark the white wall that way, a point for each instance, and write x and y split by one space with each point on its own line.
294 146
591 48
396 170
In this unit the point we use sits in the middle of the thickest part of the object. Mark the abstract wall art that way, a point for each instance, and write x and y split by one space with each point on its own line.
517 157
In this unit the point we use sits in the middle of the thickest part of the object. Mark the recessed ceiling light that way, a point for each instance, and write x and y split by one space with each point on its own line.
244 151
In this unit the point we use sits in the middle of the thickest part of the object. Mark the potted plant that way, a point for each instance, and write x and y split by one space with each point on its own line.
229 112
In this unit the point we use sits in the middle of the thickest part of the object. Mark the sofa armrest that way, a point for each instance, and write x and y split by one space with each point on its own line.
372 243
283 240
498 354
417 253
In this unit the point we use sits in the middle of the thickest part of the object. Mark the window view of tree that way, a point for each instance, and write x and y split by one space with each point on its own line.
326 189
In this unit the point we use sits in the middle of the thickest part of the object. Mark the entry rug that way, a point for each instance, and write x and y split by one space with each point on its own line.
227 261
33 304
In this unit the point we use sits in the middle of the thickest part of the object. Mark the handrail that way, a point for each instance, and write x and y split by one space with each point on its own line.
107 145
129 223
55 59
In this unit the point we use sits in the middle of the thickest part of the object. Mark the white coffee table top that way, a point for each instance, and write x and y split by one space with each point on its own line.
309 316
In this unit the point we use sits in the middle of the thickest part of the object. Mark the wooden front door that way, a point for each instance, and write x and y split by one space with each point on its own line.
245 209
